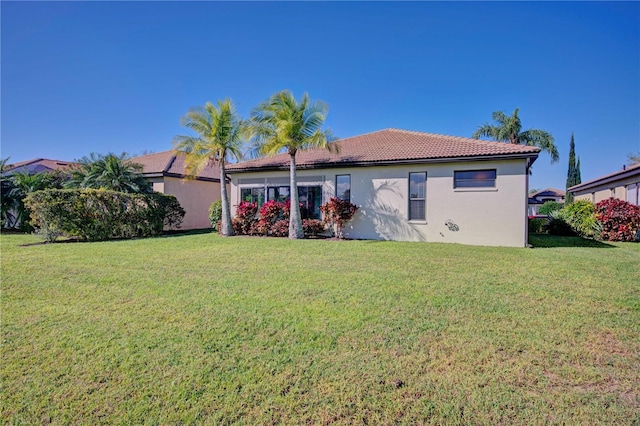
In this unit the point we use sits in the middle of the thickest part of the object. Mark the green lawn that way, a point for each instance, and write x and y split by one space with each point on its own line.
202 329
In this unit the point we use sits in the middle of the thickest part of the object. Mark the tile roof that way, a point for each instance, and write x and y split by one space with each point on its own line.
391 146
167 163
628 171
38 165
549 192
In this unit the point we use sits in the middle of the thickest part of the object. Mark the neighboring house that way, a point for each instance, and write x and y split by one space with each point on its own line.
38 165
623 184
538 198
409 186
166 173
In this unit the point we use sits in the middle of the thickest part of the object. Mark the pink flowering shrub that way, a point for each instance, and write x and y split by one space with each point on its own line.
338 212
620 220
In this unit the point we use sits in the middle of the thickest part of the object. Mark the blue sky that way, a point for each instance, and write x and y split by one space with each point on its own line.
82 77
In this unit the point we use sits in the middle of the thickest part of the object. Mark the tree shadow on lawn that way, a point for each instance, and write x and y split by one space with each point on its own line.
550 241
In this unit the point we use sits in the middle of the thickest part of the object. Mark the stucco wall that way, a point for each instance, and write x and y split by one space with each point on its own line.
482 216
616 189
194 196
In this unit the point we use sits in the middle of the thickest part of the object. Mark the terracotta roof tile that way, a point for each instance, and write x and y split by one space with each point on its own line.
167 163
549 192
389 146
40 165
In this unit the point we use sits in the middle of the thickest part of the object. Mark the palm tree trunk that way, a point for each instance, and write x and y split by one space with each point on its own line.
226 230
295 220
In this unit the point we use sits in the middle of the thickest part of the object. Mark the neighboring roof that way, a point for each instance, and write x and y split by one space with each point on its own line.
38 165
167 163
549 192
630 171
392 146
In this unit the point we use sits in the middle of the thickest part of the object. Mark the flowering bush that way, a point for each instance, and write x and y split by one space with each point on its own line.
312 227
245 218
286 210
338 212
620 220
271 211
280 228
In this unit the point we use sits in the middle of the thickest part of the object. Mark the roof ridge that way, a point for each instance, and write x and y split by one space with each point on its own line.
417 132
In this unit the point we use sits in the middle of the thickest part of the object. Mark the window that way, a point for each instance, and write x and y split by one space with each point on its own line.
474 179
417 196
278 193
343 187
252 195
309 196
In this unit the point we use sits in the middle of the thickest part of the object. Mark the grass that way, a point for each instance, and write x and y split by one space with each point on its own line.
201 329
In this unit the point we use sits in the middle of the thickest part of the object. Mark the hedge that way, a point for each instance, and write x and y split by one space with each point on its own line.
98 214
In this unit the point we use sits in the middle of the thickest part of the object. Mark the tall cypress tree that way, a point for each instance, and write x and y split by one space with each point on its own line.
578 175
572 172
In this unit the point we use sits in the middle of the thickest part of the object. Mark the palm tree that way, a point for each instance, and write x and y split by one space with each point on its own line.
111 171
221 132
283 124
508 129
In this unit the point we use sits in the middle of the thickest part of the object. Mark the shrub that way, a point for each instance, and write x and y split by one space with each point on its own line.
620 220
537 225
215 214
95 215
280 228
548 207
338 212
312 227
270 211
580 215
245 218
558 224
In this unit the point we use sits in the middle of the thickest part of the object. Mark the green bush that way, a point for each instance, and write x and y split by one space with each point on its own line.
537 225
95 215
558 224
580 215
215 214
548 207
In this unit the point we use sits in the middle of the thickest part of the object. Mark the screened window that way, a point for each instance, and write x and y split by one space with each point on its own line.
252 195
343 187
278 193
417 196
474 179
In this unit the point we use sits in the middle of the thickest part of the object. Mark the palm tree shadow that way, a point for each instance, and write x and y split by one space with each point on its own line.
552 241
388 222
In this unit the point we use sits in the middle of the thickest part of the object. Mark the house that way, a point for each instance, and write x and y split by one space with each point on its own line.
623 184
409 186
167 174
538 198
38 165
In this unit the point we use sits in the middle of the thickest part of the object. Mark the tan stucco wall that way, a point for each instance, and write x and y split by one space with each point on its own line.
194 196
495 216
604 192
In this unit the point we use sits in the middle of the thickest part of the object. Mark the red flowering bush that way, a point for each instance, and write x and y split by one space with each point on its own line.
312 227
338 212
280 228
620 220
271 211
245 218
286 210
